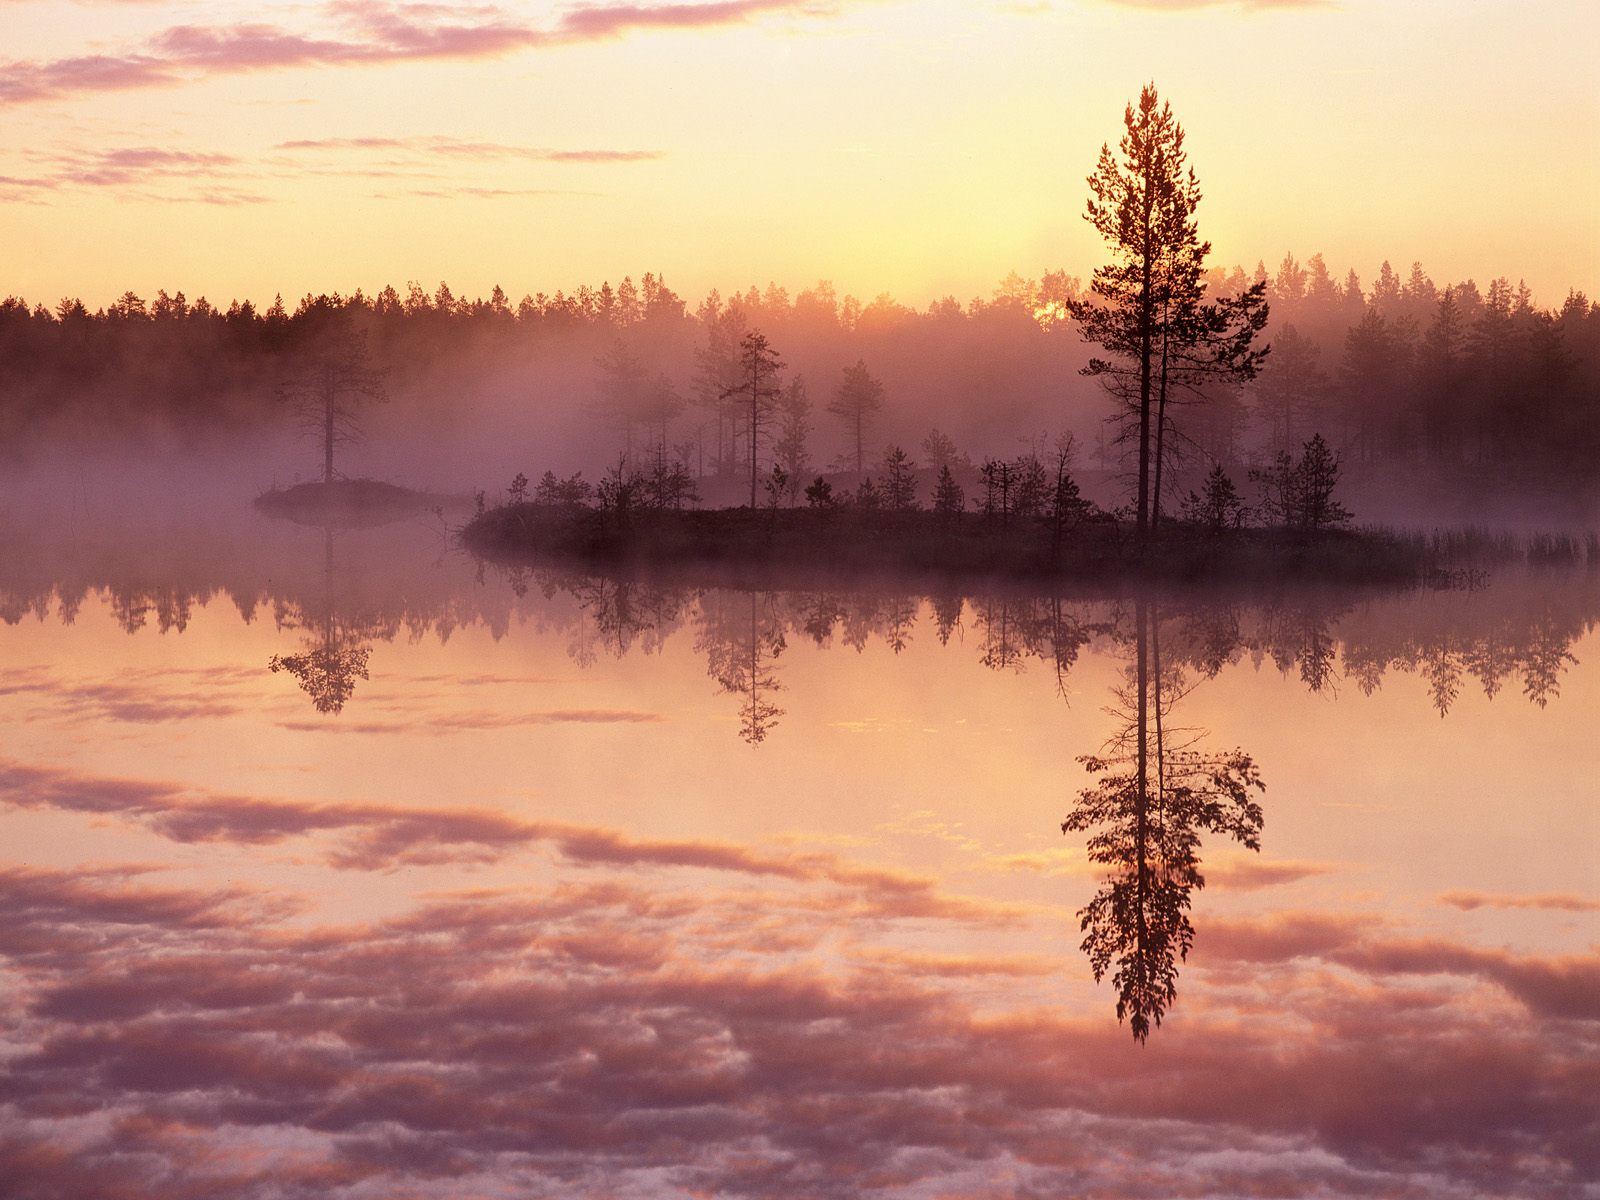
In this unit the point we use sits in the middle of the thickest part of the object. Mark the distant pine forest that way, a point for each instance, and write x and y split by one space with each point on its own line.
1481 385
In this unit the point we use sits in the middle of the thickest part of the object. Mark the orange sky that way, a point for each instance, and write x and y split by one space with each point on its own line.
917 147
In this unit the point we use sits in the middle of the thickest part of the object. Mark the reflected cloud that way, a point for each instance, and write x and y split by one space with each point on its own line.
380 837
136 698
591 1040
1248 874
460 722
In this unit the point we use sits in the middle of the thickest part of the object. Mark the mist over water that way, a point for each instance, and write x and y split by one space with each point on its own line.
1448 403
341 864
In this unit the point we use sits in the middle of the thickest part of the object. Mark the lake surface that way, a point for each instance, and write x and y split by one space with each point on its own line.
338 865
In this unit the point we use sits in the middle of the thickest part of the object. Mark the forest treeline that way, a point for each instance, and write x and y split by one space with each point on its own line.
1481 382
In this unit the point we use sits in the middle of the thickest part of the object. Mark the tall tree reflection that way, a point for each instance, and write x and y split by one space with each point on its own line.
1154 792
742 638
336 652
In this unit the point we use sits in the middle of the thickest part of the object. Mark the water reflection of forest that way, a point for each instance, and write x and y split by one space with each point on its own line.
1521 637
1155 787
345 592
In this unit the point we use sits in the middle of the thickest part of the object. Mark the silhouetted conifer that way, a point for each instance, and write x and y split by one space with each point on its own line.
899 485
857 401
949 498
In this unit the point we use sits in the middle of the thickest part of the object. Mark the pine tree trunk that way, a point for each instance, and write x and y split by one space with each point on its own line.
327 430
1146 320
755 390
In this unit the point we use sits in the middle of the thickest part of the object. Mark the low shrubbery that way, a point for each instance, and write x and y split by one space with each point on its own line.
1021 517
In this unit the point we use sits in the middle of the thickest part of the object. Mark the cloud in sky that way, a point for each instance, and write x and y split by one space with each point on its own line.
176 174
1245 5
449 147
1467 901
369 32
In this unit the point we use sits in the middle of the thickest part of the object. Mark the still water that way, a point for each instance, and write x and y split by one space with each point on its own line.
338 865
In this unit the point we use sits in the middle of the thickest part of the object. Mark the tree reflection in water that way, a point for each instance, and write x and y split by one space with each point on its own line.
1154 793
742 638
336 654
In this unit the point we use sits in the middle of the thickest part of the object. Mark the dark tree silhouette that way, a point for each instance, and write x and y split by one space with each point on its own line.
757 392
1148 310
819 494
1140 204
1377 359
999 488
1299 494
1216 506
1316 477
794 428
858 400
329 389
949 498
899 487
1442 379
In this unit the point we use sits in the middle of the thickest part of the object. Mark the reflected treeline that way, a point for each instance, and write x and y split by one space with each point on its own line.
346 591
1482 637
1157 787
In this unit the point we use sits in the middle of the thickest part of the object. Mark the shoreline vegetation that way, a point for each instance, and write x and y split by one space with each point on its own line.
796 544
805 543
1025 521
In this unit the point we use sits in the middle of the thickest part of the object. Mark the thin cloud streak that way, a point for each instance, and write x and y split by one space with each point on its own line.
1467 901
472 193
385 837
459 722
1244 5
205 178
375 34
615 20
448 147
